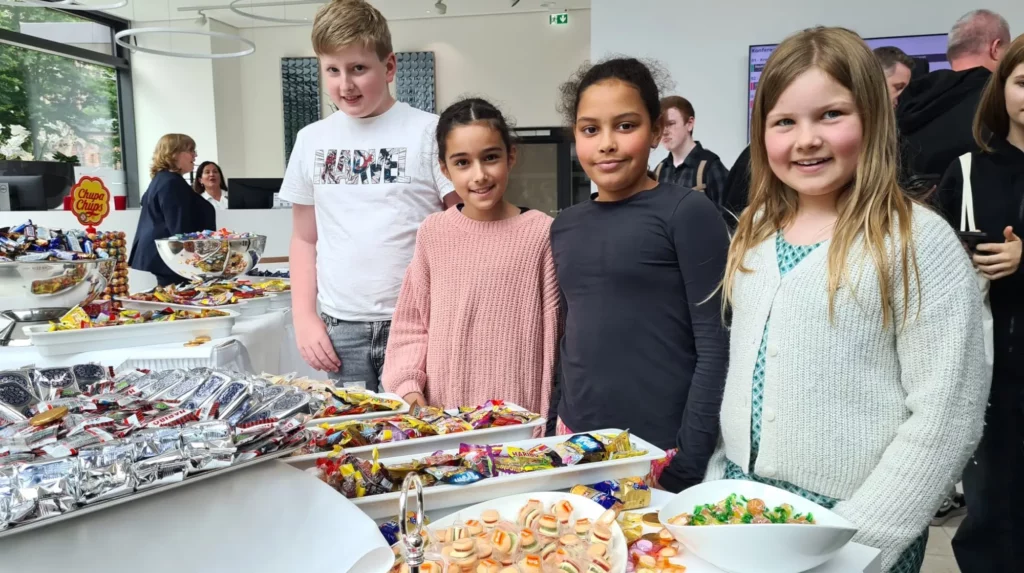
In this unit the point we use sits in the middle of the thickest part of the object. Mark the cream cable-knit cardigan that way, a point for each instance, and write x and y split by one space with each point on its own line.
883 419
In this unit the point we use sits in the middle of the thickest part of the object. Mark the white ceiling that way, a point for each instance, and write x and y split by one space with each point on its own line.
164 10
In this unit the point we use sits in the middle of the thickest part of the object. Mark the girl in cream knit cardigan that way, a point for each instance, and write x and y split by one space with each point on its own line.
857 375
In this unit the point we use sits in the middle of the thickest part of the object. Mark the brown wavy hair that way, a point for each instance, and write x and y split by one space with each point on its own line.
167 149
992 118
873 207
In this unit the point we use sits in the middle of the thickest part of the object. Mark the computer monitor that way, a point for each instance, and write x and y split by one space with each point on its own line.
36 185
929 47
252 193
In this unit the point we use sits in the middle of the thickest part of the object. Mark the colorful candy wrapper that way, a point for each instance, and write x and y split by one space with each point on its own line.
604 500
454 475
633 492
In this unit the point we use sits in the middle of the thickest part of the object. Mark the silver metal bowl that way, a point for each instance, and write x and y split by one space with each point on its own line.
61 285
206 259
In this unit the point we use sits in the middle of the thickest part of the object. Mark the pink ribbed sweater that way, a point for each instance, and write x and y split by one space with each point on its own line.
477 317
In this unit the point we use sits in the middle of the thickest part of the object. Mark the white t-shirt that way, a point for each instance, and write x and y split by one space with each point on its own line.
221 205
372 181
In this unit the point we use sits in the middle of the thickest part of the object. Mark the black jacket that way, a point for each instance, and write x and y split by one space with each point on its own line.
737 188
169 207
935 116
713 177
997 180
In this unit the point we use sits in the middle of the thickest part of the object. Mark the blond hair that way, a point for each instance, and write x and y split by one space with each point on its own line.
341 23
872 206
992 117
167 150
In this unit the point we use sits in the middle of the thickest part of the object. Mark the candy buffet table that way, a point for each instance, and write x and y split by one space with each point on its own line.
266 519
267 339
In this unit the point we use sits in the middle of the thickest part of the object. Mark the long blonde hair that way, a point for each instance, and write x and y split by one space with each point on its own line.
872 205
167 149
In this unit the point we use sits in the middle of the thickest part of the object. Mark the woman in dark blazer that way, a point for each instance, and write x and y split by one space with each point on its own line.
169 206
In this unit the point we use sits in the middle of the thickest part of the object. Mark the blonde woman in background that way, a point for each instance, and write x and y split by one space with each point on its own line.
169 206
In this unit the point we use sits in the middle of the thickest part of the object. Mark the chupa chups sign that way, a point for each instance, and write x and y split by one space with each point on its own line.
90 202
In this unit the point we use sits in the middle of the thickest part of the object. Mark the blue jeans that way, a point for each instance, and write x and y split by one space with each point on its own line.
360 346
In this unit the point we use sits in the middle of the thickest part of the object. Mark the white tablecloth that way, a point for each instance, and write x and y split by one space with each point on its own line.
268 340
270 518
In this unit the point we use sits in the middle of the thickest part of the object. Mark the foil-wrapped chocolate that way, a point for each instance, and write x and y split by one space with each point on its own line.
165 469
50 485
230 399
15 390
206 393
106 471
89 373
287 404
269 393
9 415
13 508
50 383
183 390
152 442
208 445
76 404
166 380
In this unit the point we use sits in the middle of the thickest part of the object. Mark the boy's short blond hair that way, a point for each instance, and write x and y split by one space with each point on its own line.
341 23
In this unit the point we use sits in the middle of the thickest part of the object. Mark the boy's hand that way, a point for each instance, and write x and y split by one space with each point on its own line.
315 345
1005 257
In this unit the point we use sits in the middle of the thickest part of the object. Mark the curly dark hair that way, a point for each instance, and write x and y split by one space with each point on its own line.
467 111
648 76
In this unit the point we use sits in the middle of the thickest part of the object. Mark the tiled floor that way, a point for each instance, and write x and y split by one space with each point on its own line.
939 554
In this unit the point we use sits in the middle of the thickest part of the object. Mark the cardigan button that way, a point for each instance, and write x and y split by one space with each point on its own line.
773 350
769 414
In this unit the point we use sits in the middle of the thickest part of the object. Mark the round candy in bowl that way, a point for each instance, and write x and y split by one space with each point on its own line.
26 285
211 258
751 526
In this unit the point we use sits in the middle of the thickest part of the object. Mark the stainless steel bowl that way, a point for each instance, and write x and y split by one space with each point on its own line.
64 284
206 259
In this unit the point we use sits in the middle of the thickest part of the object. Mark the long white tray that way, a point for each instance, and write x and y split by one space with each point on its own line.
246 307
281 300
128 335
432 444
99 506
403 409
444 496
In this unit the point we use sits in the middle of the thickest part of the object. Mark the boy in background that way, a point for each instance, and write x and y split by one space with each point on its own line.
360 181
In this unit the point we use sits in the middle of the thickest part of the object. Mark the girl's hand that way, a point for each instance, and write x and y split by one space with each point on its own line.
1005 257
415 399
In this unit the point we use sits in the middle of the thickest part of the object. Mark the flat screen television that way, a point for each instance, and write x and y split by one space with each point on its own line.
930 47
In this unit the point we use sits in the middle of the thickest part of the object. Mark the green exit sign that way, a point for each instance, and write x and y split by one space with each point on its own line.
559 19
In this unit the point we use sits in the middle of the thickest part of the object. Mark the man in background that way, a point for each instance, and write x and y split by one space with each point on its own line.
898 67
935 113
688 164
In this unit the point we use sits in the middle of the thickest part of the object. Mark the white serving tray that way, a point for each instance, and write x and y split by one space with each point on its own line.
99 506
128 335
246 307
432 444
281 300
403 409
508 508
444 496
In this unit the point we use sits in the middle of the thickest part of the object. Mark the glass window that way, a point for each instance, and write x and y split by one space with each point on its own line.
58 26
56 108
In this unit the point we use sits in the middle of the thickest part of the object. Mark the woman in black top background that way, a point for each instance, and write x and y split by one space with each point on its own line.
169 206
990 537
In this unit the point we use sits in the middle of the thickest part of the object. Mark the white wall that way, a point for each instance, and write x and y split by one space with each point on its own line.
704 46
228 92
517 60
173 95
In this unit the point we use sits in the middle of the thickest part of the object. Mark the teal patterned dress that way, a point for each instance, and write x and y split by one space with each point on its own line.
789 256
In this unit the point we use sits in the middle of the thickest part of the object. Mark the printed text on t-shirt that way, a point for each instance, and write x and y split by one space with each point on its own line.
360 166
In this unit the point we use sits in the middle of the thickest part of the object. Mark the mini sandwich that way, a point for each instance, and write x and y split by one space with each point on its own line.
528 541
483 549
548 526
490 518
582 527
530 514
601 533
464 553
530 564
474 527
563 510
488 566
504 541
599 565
597 550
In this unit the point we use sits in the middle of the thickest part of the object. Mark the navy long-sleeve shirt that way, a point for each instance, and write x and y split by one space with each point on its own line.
169 207
645 346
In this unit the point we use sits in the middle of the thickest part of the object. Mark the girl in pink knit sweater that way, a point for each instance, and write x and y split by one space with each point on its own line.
477 317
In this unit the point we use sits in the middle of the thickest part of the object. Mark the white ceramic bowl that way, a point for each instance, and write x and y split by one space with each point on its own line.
767 548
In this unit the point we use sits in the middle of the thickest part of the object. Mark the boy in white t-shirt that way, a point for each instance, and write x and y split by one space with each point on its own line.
361 181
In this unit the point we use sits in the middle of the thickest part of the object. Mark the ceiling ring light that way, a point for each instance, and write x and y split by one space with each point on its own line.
135 32
70 5
232 6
